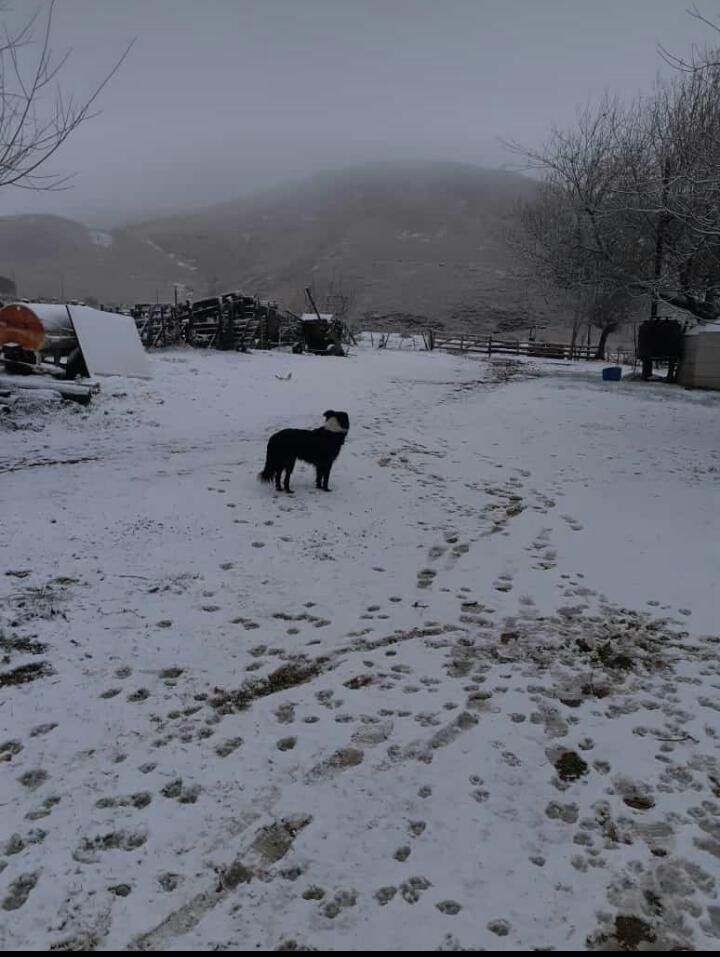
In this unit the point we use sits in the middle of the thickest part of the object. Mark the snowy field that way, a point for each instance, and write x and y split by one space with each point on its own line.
469 700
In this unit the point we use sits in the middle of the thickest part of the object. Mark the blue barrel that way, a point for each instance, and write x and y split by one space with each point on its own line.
612 374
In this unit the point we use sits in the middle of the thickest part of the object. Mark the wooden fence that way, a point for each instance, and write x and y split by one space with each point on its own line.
494 345
490 345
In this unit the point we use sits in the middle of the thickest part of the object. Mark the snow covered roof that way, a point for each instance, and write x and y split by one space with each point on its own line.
312 317
51 312
702 327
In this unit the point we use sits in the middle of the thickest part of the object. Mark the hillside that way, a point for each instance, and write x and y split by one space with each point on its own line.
53 257
414 240
423 239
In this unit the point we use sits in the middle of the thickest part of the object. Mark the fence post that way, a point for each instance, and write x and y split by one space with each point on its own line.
490 344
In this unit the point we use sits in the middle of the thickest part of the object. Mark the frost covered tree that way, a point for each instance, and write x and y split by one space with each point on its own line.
629 205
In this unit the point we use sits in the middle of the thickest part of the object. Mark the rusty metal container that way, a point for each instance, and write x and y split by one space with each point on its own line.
37 327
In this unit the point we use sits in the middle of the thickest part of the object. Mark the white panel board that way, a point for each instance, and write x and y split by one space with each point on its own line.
110 343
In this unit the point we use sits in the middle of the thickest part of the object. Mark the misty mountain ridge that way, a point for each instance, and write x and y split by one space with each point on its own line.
420 240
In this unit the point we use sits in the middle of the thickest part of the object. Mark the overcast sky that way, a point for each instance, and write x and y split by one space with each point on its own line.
219 97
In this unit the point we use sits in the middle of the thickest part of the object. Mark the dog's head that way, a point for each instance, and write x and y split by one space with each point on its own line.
336 421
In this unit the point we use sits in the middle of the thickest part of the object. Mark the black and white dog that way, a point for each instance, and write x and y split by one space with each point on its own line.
320 447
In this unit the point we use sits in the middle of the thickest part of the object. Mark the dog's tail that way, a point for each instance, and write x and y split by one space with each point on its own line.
267 473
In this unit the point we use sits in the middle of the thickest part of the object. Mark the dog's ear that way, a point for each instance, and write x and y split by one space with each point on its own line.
328 414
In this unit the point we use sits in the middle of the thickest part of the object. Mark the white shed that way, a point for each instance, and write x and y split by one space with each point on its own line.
700 364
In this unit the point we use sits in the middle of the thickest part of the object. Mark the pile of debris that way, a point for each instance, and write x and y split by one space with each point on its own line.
232 321
237 322
47 345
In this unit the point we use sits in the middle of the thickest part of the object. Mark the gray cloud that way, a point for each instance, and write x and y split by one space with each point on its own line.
220 97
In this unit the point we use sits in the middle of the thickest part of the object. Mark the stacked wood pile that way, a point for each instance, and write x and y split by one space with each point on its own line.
160 324
232 321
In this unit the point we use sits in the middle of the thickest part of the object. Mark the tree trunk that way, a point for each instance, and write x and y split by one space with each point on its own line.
600 353
575 332
660 242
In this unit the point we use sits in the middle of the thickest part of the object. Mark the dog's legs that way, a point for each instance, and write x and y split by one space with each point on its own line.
277 474
323 476
288 472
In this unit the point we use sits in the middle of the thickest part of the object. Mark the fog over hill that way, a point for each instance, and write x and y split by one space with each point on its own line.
420 239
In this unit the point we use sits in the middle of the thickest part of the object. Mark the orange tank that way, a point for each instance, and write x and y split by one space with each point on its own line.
37 327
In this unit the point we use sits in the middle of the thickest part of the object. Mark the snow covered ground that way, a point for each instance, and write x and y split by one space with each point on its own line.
470 699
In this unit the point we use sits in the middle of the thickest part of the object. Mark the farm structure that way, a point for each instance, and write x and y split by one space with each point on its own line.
236 322
232 321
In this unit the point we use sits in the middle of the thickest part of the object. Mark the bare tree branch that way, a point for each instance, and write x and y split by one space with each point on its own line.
631 200
36 117
699 59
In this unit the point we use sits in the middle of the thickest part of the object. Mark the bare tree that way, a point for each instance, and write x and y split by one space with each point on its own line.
570 236
672 195
36 116
337 298
608 310
543 235
630 204
699 58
